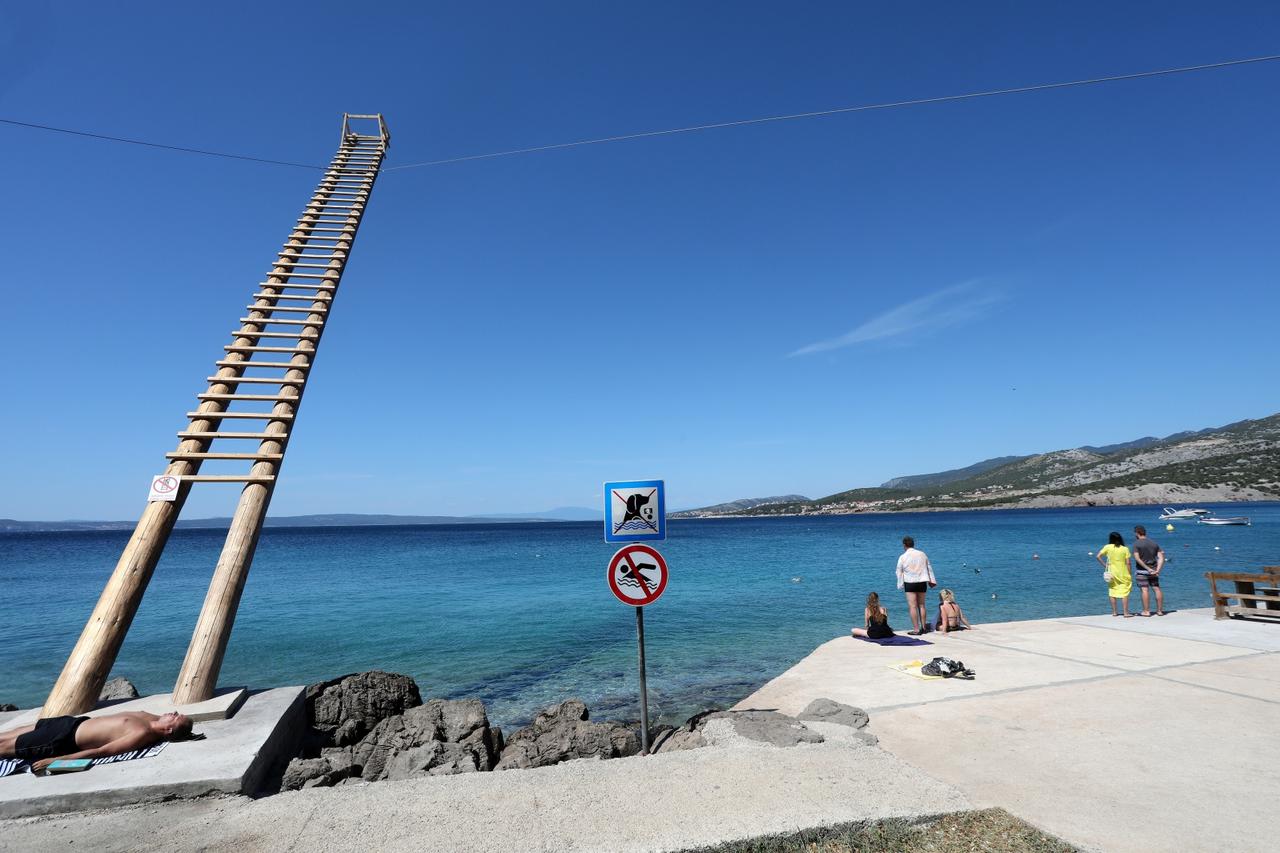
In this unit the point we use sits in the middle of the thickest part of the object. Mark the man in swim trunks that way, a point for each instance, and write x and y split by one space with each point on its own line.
915 576
1148 558
52 738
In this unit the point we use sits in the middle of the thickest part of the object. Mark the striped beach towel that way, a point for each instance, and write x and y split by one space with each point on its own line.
12 766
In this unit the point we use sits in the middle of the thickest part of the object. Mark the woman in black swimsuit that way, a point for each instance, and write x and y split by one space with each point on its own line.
876 619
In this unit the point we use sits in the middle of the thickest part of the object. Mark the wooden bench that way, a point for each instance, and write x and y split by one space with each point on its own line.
1258 594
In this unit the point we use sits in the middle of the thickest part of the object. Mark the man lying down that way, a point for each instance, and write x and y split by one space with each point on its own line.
53 738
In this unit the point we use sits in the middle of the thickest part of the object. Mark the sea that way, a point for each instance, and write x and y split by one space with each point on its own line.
521 615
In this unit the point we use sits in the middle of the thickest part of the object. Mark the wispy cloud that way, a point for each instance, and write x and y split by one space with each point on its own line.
951 306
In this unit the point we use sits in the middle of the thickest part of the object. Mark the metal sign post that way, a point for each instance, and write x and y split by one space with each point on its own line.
644 686
638 576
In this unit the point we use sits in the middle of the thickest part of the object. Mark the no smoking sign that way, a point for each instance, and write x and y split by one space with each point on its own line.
637 575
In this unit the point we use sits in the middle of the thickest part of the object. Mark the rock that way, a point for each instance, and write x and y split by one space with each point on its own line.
563 732
678 739
344 710
5 706
762 726
317 772
439 738
829 711
118 688
687 736
303 770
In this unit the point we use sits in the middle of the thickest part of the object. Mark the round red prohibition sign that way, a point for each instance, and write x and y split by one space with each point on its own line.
165 484
637 575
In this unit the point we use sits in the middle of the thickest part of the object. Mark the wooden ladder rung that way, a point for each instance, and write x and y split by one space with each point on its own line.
284 308
179 456
254 436
288 365
273 335
306 266
272 321
297 284
253 380
234 348
227 478
323 276
296 297
261 398
216 416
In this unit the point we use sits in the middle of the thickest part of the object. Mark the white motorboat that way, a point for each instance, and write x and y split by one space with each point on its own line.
1171 514
1242 520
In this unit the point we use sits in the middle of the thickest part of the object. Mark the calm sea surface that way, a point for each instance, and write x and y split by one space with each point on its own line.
520 615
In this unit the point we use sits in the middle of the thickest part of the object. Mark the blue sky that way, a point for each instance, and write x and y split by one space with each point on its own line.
803 306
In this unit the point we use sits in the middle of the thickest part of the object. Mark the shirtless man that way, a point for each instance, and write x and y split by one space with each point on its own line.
91 737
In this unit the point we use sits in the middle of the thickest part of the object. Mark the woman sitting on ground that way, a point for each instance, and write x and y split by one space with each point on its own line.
950 616
876 619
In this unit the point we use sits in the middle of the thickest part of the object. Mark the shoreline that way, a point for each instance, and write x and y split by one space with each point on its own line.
1050 502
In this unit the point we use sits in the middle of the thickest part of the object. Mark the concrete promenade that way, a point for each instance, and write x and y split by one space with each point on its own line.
661 802
1116 734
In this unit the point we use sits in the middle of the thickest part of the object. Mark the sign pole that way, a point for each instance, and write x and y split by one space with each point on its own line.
644 688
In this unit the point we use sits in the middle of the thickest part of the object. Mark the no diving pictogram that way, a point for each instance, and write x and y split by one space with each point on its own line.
164 487
637 575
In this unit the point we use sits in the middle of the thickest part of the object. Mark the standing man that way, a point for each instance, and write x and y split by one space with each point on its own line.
1150 559
915 576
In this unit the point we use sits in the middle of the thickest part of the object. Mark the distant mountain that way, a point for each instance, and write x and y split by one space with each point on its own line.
915 481
563 513
1239 461
734 507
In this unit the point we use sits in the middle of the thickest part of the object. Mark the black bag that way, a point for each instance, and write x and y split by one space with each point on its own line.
947 668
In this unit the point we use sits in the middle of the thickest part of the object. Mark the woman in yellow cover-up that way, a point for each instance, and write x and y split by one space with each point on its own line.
1116 560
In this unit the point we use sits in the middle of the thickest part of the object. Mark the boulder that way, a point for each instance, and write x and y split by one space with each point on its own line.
761 726
564 732
830 711
344 710
317 772
5 706
439 738
118 688
687 736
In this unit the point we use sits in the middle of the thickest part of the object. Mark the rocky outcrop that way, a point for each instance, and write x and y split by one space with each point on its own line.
442 737
5 706
711 728
830 711
564 732
118 688
344 710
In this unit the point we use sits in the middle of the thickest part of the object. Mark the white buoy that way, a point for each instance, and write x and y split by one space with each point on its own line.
1216 548
993 595
1169 527
1090 553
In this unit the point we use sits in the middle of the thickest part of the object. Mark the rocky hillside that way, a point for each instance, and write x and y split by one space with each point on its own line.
1240 461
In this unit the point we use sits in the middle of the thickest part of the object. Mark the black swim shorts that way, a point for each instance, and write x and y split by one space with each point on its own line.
920 586
1145 579
52 736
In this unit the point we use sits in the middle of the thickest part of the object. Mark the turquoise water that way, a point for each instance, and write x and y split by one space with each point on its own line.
521 616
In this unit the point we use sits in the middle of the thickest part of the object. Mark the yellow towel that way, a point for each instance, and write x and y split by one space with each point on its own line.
912 668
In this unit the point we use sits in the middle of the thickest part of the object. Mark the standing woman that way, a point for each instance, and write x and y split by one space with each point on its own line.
1117 561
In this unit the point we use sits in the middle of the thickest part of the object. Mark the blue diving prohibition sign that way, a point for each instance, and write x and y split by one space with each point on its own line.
635 511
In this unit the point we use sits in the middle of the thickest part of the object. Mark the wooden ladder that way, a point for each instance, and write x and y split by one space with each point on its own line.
284 323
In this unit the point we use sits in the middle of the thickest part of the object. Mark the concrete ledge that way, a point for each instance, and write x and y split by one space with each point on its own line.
224 704
233 759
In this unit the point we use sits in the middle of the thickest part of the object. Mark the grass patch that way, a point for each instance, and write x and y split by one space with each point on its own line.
988 831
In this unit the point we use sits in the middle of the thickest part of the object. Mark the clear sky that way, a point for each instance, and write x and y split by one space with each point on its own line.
803 306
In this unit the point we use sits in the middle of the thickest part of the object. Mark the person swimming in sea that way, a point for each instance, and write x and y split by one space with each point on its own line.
876 620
